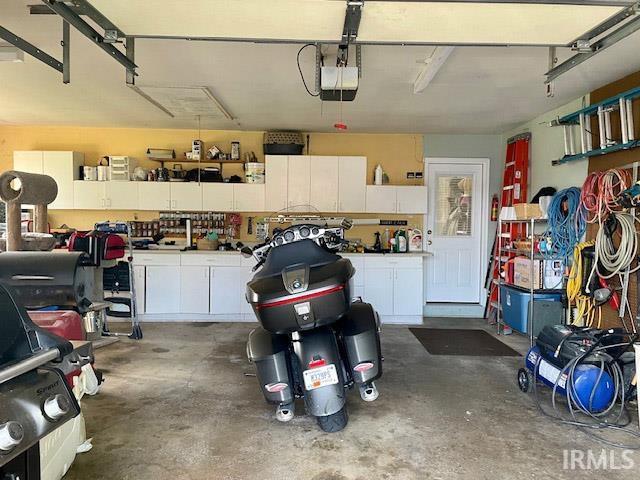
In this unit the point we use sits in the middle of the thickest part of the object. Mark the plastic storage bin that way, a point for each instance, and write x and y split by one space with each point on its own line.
515 305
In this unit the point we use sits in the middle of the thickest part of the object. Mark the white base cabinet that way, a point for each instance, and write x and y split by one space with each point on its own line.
227 290
162 287
194 289
194 286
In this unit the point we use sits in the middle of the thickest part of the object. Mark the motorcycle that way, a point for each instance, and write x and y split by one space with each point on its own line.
315 342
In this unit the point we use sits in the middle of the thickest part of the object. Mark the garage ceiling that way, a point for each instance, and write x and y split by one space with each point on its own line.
478 90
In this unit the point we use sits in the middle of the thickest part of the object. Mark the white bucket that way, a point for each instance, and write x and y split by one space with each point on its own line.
254 172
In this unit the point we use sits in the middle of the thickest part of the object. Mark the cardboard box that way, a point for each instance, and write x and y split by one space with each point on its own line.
526 211
546 273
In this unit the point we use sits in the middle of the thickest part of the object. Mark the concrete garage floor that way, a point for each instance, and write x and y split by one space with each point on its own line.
178 406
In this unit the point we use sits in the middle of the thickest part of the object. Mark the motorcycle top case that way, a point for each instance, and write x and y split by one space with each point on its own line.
301 286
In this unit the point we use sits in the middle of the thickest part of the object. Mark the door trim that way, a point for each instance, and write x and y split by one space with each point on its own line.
484 214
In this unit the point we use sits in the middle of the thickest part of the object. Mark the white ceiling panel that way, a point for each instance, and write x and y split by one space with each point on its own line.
478 23
409 22
295 20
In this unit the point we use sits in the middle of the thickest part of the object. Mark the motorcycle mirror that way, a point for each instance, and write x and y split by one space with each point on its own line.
246 252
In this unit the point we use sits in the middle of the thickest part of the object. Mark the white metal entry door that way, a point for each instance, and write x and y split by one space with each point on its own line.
454 233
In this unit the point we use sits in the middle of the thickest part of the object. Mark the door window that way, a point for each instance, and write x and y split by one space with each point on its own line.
453 205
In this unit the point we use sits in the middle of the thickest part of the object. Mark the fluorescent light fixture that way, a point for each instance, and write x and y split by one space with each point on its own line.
431 68
9 53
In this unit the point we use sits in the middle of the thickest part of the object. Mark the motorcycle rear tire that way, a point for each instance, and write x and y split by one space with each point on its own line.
335 422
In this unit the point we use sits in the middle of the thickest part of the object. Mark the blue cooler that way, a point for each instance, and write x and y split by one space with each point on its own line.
515 305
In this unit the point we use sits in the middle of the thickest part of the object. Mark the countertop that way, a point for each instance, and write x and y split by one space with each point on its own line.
166 251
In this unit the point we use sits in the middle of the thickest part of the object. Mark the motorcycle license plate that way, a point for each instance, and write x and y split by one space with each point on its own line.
320 377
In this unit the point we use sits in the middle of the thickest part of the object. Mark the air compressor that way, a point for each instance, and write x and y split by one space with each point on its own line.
588 366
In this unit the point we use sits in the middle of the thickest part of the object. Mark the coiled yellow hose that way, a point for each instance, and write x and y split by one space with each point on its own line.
586 308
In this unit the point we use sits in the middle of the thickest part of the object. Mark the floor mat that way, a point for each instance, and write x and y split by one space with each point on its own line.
455 341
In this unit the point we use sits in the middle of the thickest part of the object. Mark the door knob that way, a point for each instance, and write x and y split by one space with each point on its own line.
429 242
429 232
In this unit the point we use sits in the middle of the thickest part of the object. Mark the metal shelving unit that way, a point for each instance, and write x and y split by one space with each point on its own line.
531 255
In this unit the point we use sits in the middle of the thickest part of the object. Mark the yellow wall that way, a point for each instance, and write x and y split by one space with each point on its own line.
397 153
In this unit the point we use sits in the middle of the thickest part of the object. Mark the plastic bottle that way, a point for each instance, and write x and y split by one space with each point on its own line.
377 175
401 241
386 238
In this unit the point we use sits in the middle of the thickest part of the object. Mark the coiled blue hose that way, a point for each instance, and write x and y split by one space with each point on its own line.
566 224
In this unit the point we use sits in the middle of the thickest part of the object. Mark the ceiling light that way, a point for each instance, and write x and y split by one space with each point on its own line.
431 68
9 53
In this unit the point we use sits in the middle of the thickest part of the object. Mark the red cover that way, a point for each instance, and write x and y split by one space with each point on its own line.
110 246
64 323
114 246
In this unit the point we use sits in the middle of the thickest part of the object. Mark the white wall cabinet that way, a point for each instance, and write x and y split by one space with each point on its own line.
217 197
276 182
352 182
411 199
88 195
381 199
194 289
186 196
162 289
29 161
154 196
248 197
296 183
63 166
323 188
396 199
120 195
299 183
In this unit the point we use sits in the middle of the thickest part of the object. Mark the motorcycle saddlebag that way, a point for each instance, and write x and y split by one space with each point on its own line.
360 329
269 352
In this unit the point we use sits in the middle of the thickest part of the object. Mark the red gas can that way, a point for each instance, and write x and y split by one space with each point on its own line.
64 323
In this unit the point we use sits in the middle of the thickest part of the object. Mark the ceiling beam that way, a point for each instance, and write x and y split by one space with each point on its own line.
31 49
614 37
352 19
88 31
610 23
80 7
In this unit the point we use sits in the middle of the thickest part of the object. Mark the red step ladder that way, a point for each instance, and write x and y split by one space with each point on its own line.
514 190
